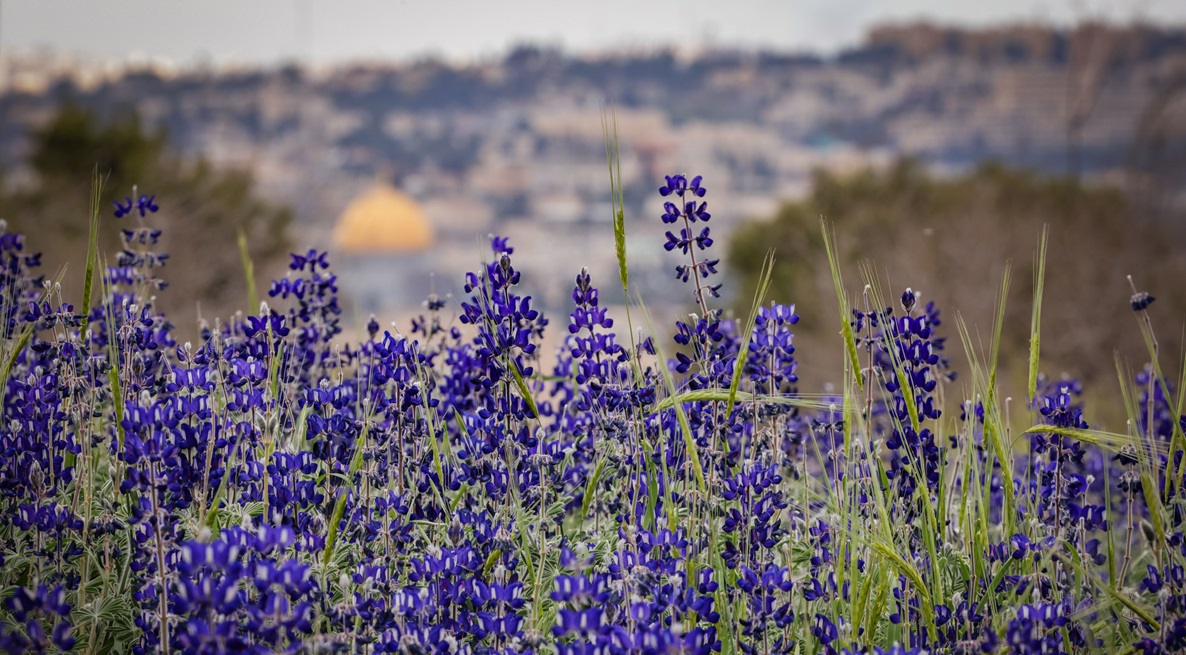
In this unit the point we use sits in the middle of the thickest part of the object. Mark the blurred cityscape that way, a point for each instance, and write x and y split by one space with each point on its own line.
405 167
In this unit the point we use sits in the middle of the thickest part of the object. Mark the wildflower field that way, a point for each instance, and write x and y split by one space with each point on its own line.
650 488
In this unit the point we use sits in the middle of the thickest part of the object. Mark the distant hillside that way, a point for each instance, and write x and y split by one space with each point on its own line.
516 143
945 94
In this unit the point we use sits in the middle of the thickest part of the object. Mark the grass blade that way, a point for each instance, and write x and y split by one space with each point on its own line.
609 127
681 416
590 489
249 272
998 326
1036 316
26 334
743 353
92 251
720 395
850 343
524 391
1112 441
994 429
331 537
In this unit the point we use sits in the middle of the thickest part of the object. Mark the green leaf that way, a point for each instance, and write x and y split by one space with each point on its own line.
523 390
491 561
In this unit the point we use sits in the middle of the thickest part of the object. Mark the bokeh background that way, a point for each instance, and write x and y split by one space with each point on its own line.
938 138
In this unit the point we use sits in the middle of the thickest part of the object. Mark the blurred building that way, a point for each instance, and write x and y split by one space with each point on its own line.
516 147
383 238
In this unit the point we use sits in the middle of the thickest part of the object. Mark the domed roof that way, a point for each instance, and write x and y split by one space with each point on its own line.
383 220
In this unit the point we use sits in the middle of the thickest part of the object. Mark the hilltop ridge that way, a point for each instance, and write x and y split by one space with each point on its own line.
514 145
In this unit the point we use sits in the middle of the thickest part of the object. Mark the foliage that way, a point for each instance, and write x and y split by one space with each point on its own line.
955 233
209 208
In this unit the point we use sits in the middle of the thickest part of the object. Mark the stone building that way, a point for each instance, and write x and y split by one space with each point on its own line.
383 239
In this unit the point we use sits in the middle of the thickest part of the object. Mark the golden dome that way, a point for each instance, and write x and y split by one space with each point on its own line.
382 220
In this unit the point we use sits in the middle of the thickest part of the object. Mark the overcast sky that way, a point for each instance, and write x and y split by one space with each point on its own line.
326 31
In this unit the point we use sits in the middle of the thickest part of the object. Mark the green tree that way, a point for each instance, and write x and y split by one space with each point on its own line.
202 210
951 238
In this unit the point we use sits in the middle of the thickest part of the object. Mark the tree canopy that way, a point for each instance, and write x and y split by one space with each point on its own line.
202 210
953 237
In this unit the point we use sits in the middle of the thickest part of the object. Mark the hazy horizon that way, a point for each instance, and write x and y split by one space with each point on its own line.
325 32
